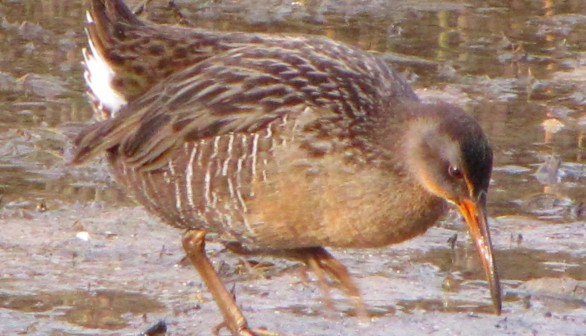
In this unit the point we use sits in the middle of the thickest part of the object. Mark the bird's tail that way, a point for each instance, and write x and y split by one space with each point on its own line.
106 22
109 24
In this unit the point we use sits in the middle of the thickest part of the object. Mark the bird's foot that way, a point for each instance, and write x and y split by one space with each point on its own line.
244 331
325 266
329 271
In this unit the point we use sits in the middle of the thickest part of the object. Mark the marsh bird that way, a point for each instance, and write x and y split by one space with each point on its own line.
279 144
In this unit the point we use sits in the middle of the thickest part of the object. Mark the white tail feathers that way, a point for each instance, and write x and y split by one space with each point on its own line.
99 75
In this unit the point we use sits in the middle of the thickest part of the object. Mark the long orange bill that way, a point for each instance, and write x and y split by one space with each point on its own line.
475 216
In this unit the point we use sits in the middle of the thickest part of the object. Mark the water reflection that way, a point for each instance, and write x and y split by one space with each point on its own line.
96 310
519 263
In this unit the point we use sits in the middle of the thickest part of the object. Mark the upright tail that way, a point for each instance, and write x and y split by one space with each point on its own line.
127 56
108 23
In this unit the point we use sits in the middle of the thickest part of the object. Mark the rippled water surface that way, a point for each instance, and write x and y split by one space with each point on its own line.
518 66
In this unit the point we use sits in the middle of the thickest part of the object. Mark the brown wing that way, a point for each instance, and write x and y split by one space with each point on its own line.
219 96
243 90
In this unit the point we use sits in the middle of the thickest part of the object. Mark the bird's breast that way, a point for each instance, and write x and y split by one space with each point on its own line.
328 201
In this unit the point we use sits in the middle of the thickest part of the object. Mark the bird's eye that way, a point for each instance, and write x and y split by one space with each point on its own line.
455 172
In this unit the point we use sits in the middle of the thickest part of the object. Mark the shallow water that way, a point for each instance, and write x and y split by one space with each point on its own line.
518 66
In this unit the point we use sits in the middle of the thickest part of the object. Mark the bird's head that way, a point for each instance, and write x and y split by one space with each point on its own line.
449 155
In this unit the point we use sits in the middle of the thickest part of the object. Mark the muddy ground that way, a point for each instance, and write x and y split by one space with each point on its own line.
92 269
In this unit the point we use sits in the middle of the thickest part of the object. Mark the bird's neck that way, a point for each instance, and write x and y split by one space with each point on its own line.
395 132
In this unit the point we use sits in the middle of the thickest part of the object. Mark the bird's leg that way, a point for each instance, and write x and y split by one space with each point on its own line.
322 282
194 245
320 260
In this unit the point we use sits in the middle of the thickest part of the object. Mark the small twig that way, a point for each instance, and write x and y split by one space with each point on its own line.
182 19
141 8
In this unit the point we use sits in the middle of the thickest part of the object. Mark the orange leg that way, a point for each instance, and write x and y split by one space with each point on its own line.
321 263
194 245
